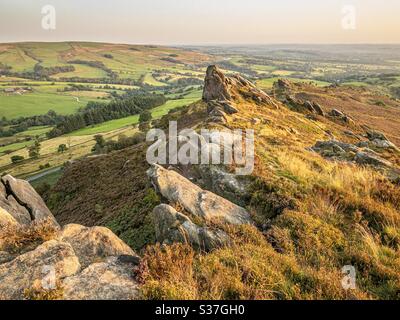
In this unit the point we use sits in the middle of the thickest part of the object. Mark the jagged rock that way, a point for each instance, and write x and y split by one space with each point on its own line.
318 109
341 116
108 280
27 199
93 244
336 113
229 108
22 272
309 106
376 135
172 226
283 84
196 201
337 148
369 158
379 140
219 87
215 85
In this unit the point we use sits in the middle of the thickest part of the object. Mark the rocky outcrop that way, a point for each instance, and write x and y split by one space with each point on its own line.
340 116
22 202
198 202
172 226
303 106
220 93
83 263
341 151
379 140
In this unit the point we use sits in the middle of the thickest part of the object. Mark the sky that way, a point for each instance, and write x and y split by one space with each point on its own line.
202 22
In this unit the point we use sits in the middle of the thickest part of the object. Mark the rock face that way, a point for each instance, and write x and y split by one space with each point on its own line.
84 263
220 91
21 201
201 203
108 280
172 226
22 272
215 85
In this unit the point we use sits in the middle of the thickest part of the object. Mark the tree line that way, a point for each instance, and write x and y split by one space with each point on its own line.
97 112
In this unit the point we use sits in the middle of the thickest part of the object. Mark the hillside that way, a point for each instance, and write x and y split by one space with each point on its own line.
127 61
324 194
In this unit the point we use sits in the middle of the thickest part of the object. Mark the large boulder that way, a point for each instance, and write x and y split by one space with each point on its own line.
172 226
112 279
23 272
201 203
93 244
12 207
22 201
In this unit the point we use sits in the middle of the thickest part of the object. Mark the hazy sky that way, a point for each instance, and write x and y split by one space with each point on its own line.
203 21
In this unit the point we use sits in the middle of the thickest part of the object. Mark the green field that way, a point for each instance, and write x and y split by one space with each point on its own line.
132 120
38 103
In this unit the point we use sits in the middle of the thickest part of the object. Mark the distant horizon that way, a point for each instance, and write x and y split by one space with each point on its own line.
209 44
201 22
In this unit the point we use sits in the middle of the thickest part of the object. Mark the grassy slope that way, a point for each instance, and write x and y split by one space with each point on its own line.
320 216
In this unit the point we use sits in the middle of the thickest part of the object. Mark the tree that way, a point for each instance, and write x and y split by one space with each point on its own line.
16 159
144 120
62 148
145 116
100 140
100 143
34 150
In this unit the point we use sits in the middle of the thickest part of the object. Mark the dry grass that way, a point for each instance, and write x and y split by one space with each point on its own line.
17 238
